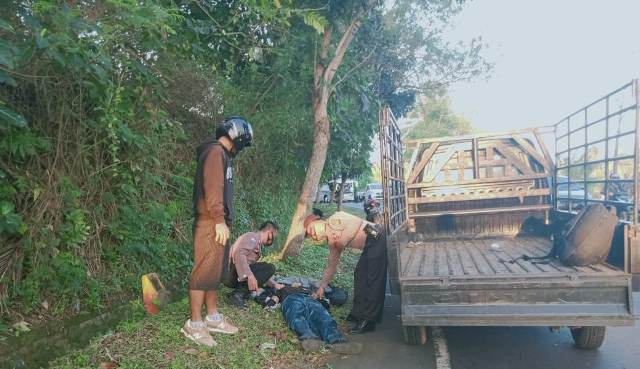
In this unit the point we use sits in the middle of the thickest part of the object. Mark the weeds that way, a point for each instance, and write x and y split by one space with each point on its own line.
155 341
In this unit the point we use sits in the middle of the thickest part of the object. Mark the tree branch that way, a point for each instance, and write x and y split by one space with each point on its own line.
347 74
341 49
345 40
320 66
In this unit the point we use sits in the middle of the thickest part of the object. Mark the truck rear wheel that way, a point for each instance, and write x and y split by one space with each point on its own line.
588 338
414 335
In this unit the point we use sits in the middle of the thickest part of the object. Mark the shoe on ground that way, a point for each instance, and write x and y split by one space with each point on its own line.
312 345
237 300
346 348
223 326
362 327
199 335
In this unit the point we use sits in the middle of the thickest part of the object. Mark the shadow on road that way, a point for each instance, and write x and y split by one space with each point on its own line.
384 347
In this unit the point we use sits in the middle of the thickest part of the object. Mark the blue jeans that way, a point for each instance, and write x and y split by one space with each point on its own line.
309 319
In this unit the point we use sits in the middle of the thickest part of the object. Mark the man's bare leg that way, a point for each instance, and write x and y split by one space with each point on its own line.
196 299
211 299
195 328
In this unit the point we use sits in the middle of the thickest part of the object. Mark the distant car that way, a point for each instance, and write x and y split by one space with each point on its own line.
348 190
571 191
374 190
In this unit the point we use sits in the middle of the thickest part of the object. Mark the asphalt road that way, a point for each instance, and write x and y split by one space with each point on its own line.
490 348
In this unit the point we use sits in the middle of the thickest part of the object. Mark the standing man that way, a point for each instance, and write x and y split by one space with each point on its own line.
213 208
248 274
342 230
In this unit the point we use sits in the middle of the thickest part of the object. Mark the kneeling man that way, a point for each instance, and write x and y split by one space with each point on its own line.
248 274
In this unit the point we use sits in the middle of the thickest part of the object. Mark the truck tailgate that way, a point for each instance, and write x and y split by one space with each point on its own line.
473 282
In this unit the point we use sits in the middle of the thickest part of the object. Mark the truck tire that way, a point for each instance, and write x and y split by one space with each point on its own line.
414 335
588 338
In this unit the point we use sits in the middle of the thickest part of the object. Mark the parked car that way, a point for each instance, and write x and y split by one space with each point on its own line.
570 191
330 191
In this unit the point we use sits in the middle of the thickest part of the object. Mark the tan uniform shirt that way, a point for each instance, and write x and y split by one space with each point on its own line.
343 230
245 251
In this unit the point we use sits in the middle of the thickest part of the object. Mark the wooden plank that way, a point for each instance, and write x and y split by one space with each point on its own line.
491 135
516 249
480 211
421 267
419 261
480 262
475 158
484 180
430 259
521 181
481 259
468 265
445 158
455 265
515 160
460 165
529 149
540 246
527 247
407 262
477 196
426 156
545 151
414 157
442 268
491 258
502 256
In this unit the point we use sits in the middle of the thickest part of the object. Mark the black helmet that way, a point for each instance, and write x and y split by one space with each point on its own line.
238 130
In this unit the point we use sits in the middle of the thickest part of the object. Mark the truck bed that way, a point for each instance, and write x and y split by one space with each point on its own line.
476 258
453 282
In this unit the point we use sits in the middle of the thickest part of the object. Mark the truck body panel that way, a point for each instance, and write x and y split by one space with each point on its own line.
471 205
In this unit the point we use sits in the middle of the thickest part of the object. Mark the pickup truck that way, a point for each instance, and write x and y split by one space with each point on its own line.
469 206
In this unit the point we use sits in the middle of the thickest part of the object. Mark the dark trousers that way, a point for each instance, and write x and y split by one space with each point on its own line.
309 319
262 271
370 281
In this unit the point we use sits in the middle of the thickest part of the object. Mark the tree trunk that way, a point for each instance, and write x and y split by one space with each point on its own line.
323 74
343 179
321 137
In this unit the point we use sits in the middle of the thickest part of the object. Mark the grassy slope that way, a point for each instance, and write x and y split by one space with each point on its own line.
156 342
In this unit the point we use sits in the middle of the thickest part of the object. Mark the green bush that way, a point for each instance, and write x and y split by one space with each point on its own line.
101 107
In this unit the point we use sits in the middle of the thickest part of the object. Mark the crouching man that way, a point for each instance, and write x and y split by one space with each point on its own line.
247 273
342 230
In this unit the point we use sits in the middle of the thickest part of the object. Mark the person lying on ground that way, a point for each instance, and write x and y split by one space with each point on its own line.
342 230
213 209
247 273
312 323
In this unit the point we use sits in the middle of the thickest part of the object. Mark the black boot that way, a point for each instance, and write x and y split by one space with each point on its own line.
362 327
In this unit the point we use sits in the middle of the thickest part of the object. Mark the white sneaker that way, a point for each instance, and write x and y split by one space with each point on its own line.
199 335
222 326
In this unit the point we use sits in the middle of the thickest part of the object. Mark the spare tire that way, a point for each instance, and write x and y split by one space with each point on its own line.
588 239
